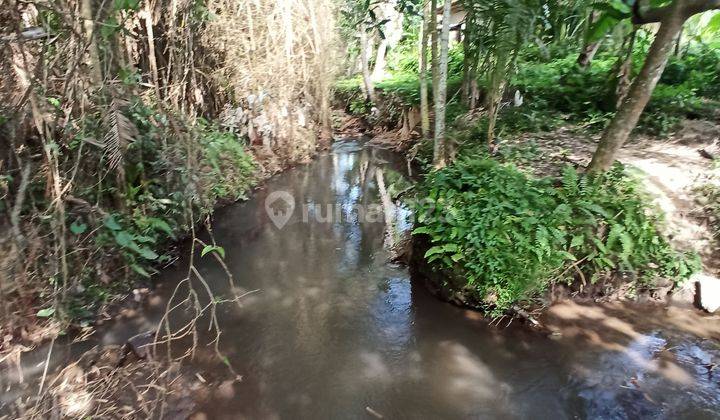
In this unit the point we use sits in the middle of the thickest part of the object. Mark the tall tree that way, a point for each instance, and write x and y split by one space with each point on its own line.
671 17
365 63
390 28
439 158
434 45
424 108
86 11
470 59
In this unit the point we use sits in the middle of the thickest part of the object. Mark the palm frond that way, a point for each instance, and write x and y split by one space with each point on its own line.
120 133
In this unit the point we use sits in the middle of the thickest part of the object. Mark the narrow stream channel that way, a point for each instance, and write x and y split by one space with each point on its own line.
334 330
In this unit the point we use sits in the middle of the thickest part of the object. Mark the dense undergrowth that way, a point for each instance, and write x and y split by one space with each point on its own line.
131 206
126 123
508 237
557 91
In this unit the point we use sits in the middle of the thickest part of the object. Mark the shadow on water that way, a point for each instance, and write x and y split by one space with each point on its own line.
333 330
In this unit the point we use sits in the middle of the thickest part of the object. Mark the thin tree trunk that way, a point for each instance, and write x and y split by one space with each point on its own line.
424 108
465 88
151 50
587 54
86 11
470 64
379 69
624 74
627 117
439 149
434 45
590 48
364 59
678 51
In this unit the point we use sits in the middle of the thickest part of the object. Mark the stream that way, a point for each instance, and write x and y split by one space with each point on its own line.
330 328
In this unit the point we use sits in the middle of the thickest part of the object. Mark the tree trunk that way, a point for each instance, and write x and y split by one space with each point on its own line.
439 149
424 109
678 42
626 118
151 51
86 11
379 69
589 49
624 73
364 59
587 54
434 45
495 90
465 88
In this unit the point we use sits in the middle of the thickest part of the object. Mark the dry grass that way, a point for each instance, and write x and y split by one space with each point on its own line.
278 59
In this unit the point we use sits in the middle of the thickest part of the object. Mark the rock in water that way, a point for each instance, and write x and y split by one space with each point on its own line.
141 345
707 292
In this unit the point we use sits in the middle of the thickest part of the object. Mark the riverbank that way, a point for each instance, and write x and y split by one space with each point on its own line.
139 243
332 328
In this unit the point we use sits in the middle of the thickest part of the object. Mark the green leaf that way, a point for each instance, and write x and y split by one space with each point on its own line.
147 253
601 27
136 268
160 224
438 249
577 240
54 102
450 248
713 26
422 230
111 223
125 240
210 248
78 228
46 313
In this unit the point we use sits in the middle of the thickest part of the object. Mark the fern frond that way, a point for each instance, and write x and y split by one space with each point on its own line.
120 133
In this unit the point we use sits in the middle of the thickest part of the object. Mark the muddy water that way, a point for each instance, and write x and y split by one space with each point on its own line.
333 330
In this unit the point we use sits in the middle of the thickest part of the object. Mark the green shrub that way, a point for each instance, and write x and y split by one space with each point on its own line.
147 204
562 86
698 69
228 171
511 236
670 104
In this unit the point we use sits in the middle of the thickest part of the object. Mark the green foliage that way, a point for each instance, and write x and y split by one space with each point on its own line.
670 104
511 236
698 70
585 96
147 205
229 171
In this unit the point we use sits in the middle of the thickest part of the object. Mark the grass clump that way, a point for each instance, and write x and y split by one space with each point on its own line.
510 236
